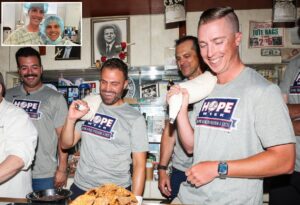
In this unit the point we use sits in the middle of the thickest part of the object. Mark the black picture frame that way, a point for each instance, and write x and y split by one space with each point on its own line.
122 27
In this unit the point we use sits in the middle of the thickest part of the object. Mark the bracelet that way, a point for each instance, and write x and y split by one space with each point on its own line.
159 166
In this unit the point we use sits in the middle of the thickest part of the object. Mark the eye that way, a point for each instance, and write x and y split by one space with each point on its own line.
202 45
219 42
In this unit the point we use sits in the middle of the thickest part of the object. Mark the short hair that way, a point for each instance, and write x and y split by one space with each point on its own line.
116 63
26 52
196 48
50 19
194 39
3 85
43 6
218 13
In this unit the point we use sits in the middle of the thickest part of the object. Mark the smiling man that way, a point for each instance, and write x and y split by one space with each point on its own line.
112 140
29 34
47 109
241 132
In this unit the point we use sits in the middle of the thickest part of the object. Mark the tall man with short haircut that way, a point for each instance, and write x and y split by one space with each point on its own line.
47 109
241 132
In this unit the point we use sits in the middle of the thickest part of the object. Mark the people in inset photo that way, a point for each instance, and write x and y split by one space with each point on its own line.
29 34
108 37
52 31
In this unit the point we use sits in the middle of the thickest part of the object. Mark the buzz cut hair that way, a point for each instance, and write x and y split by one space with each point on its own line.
220 12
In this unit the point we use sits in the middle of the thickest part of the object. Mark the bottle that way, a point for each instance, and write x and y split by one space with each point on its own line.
170 84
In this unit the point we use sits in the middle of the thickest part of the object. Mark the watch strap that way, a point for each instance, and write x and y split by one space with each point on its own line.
159 166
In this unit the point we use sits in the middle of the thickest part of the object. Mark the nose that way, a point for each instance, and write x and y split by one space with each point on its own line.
210 50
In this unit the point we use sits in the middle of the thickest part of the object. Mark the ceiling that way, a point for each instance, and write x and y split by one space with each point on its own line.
98 8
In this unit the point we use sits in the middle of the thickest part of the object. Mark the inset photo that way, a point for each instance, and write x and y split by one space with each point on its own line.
41 23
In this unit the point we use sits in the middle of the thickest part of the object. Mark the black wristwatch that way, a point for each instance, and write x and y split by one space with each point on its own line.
223 169
159 166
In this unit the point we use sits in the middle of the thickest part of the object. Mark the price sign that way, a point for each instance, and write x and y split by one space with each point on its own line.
261 34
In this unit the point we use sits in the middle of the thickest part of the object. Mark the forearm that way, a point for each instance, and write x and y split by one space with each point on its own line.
294 110
167 144
9 167
296 126
185 130
63 159
67 139
274 161
139 175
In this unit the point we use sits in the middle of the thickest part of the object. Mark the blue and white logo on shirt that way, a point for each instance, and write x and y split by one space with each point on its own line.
295 88
30 106
217 113
101 125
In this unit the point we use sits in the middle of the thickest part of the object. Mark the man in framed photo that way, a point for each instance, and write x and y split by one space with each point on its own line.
109 37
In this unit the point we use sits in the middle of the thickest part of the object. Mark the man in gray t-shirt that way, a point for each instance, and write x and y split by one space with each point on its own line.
241 132
47 109
191 65
286 189
112 140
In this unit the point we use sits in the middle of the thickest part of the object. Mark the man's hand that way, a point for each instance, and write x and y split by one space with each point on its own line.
60 179
164 184
202 173
78 109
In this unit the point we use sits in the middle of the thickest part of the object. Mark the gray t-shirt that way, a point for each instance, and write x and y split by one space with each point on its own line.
290 85
107 142
48 110
237 120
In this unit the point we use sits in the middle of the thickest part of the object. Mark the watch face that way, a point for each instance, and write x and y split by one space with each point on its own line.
222 169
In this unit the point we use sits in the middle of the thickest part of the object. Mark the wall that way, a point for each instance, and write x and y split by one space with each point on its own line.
151 38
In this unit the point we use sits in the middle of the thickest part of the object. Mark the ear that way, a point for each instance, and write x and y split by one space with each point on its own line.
1 91
125 84
238 38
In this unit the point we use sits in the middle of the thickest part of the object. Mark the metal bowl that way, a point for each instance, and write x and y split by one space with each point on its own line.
49 195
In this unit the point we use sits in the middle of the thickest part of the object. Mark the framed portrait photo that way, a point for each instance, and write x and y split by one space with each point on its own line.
107 35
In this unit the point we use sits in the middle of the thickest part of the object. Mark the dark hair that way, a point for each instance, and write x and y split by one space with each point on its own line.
116 63
218 13
2 84
26 52
196 48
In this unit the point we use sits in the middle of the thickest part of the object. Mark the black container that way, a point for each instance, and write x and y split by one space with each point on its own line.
50 196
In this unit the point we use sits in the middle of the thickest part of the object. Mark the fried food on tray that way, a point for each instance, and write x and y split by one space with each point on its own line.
84 200
108 194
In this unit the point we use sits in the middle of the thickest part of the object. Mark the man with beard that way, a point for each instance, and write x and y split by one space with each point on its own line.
48 110
29 34
112 140
191 65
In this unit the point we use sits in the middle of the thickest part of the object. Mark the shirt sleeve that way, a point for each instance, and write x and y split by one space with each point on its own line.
61 112
21 137
139 138
272 121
